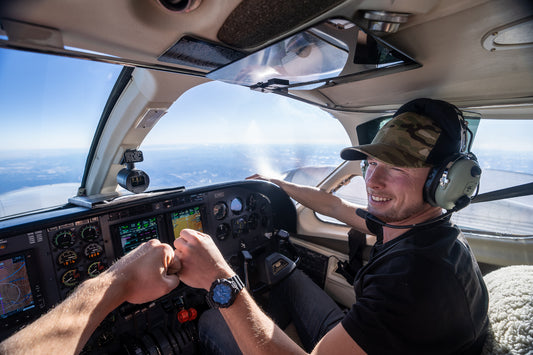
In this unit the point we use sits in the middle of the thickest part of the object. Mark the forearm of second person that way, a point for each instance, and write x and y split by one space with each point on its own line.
322 202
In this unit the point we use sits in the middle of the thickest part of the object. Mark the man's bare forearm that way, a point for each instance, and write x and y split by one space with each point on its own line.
145 274
68 326
323 203
310 196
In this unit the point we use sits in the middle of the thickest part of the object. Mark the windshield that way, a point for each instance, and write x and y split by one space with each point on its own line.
240 132
50 109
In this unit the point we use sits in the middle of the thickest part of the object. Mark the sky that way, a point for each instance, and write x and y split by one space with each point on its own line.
55 103
48 98
237 114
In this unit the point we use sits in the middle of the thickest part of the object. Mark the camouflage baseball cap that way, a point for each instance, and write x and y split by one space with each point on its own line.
422 133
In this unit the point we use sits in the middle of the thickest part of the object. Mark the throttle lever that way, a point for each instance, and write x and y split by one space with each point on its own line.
284 237
247 259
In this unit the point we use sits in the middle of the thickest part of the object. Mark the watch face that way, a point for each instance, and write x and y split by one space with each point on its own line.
222 293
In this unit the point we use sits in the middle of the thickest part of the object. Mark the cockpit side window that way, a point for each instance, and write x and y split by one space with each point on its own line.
503 148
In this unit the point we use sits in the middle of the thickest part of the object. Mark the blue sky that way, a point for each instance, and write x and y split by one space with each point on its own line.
49 98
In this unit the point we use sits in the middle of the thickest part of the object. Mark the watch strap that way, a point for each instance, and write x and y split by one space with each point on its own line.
239 285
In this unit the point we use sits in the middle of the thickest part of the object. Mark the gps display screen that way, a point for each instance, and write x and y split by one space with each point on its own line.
15 287
135 233
190 218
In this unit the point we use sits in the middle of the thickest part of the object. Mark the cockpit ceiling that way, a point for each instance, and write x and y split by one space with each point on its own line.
455 66
445 37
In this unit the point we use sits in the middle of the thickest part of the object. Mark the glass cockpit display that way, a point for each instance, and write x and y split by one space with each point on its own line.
135 233
189 218
15 288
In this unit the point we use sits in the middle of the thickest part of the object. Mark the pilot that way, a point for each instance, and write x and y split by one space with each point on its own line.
421 292
145 274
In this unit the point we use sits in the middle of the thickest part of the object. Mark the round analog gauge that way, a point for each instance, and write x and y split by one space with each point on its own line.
223 231
89 232
67 258
64 239
71 278
220 210
236 205
93 250
95 269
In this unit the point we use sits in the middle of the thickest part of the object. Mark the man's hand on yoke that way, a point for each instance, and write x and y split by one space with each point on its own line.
201 261
146 273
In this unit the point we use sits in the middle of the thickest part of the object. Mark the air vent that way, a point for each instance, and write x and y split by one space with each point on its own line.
181 5
383 22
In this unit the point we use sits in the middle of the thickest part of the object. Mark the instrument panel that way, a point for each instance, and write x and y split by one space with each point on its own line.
44 257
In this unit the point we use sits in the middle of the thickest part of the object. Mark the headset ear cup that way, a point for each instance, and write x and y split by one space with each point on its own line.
431 184
454 183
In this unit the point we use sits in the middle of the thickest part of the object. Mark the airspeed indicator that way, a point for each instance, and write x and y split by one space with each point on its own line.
89 233
220 209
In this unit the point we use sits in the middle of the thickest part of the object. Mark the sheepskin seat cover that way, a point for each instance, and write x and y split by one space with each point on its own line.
510 310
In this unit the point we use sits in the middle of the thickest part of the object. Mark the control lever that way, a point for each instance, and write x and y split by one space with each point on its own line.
247 259
284 238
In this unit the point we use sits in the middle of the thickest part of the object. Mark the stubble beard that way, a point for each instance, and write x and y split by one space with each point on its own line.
398 215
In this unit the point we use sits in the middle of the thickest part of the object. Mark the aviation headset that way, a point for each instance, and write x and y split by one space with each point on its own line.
453 180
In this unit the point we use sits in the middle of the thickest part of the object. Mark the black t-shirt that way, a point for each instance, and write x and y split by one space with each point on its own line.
420 293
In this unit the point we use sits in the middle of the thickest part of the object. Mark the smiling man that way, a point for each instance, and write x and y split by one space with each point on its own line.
395 195
403 159
421 291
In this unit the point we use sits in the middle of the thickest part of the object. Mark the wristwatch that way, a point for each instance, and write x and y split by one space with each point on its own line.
223 292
